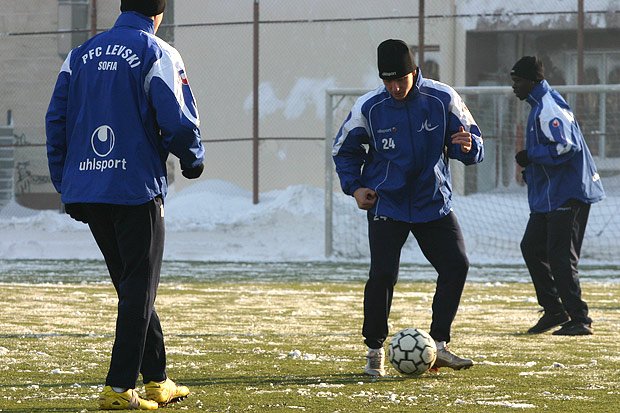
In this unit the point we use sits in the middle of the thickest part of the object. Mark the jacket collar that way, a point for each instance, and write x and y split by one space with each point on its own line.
415 90
538 92
135 20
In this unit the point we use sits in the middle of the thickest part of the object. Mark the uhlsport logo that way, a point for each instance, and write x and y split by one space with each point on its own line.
102 141
387 130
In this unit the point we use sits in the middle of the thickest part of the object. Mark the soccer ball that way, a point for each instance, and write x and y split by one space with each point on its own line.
412 351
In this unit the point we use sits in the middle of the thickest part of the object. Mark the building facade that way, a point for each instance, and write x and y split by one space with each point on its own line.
305 48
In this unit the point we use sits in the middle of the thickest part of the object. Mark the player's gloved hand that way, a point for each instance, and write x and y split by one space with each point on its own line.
522 159
192 173
76 211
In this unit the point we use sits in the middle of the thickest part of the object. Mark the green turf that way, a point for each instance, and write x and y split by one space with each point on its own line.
296 346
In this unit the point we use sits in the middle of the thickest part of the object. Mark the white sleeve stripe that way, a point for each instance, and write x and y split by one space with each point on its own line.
66 67
551 110
456 106
369 127
188 114
167 69
149 76
356 121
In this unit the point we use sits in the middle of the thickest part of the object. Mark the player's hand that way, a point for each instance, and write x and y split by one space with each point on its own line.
462 138
192 173
365 198
77 212
522 158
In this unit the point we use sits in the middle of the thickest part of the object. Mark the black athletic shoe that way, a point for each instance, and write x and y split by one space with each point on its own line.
574 328
548 321
446 358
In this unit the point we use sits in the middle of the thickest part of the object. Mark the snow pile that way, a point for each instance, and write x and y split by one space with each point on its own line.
214 220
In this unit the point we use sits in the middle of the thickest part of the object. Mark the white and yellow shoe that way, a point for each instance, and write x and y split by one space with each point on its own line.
165 392
127 400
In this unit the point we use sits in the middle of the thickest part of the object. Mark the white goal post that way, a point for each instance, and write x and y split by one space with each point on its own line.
491 200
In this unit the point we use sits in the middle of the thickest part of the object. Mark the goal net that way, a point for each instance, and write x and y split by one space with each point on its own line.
490 198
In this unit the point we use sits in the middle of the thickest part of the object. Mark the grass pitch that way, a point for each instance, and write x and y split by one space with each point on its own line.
293 345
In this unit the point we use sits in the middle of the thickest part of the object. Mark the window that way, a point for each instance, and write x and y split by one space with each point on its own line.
73 23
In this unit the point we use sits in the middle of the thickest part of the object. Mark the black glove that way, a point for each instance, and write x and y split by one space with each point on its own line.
522 159
192 173
77 212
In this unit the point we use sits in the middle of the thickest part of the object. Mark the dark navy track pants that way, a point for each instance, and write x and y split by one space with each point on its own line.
441 242
551 247
131 239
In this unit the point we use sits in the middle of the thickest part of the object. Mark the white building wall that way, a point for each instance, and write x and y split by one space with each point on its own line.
298 62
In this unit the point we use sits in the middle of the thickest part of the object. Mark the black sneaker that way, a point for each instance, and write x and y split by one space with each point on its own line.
446 358
548 321
574 328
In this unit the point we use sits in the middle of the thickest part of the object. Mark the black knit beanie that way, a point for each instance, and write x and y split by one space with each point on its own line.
394 59
530 68
147 7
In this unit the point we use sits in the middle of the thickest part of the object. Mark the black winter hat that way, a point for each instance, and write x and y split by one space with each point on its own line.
530 68
147 7
394 59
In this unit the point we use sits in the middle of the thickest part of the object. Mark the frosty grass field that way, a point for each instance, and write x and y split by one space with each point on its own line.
285 337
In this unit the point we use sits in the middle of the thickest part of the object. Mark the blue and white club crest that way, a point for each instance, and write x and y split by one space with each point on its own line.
102 140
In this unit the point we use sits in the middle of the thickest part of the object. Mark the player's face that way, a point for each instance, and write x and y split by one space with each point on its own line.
522 87
399 88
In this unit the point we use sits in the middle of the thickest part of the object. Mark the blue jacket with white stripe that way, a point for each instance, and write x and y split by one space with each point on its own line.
561 165
121 104
400 149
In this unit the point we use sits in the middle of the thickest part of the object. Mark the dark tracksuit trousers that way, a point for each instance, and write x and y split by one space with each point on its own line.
551 247
441 242
131 239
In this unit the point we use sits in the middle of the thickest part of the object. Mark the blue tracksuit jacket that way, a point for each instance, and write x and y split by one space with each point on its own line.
561 165
409 144
121 104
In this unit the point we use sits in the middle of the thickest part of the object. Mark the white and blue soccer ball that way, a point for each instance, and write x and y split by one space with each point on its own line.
412 351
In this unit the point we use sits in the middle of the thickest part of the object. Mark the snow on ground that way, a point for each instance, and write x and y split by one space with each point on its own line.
210 220
214 220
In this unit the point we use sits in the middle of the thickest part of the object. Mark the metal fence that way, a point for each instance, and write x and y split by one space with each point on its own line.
216 44
491 198
304 49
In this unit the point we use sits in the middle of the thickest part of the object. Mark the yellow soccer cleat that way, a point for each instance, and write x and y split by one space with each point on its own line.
128 400
165 392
